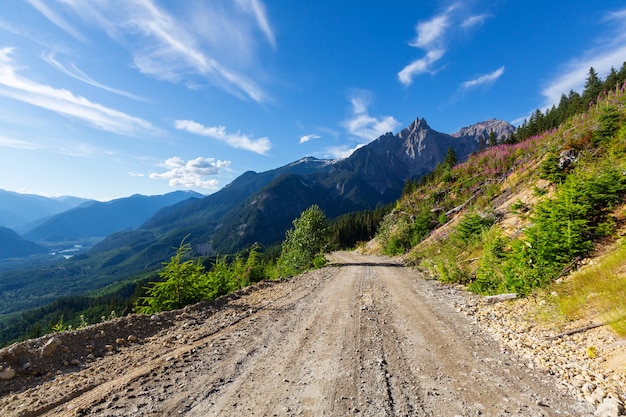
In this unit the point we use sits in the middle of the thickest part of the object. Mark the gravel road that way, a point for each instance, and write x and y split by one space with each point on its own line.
362 337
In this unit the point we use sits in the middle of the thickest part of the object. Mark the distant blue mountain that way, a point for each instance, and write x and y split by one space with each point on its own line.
13 246
99 219
18 210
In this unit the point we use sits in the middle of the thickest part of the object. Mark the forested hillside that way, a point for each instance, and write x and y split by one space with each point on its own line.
517 217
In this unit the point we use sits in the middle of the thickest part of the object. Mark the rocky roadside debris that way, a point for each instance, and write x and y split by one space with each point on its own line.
589 359
30 363
590 364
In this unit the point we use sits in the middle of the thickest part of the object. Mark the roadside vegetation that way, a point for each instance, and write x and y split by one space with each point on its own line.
520 215
187 278
523 214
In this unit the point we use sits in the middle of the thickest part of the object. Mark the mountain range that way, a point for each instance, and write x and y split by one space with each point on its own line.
19 210
100 219
13 245
253 208
259 207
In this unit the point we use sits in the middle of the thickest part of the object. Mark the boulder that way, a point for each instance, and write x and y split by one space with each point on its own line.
567 158
7 373
51 345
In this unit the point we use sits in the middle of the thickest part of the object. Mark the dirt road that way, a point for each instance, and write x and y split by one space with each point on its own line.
363 337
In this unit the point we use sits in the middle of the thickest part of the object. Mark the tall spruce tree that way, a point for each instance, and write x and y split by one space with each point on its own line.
593 87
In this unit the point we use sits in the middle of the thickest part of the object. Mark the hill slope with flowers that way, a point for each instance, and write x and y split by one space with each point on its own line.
520 218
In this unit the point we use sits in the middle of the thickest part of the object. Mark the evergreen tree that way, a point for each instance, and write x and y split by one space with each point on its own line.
621 75
451 159
612 80
492 139
593 87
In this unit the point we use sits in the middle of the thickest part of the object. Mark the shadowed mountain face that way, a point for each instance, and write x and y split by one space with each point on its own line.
259 207
18 210
100 219
255 207
13 246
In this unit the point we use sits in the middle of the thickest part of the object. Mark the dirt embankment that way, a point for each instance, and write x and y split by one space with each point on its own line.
363 337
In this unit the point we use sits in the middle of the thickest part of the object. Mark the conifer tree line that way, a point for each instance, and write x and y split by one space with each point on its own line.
569 105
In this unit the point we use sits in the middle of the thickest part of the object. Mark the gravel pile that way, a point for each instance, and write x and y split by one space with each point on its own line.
590 362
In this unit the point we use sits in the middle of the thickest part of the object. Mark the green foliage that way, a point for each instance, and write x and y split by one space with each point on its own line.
563 228
59 326
609 123
489 276
348 230
305 243
185 281
182 282
549 169
472 225
398 233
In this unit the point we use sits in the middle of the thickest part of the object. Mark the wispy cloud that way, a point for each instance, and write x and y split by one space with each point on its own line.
64 102
236 140
257 9
361 124
340 152
192 173
474 20
73 71
16 143
210 40
307 138
433 36
609 52
57 19
483 79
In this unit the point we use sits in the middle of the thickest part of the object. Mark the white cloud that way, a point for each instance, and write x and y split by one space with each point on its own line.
75 72
56 19
483 79
211 40
340 152
236 140
135 174
420 66
192 173
64 102
307 138
364 126
474 20
257 9
609 52
16 143
433 36
431 31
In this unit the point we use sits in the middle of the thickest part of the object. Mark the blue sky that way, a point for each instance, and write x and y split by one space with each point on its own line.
106 98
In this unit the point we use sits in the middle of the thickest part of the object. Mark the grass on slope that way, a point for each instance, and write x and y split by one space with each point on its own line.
512 219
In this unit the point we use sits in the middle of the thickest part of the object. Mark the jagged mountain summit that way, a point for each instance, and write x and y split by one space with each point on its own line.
260 207
499 127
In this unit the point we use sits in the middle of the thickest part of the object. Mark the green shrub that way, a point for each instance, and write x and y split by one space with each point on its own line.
563 228
305 243
489 277
609 124
471 226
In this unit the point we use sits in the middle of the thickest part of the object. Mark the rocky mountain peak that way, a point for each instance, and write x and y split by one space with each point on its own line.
482 129
417 125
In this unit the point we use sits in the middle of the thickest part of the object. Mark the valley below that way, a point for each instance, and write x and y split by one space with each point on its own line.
363 336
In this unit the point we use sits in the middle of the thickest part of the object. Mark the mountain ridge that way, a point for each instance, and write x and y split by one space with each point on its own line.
100 219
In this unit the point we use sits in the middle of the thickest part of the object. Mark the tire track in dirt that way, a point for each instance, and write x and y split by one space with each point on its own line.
362 337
